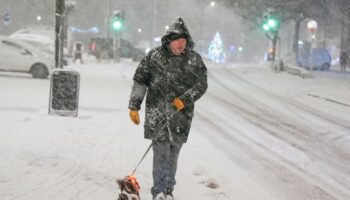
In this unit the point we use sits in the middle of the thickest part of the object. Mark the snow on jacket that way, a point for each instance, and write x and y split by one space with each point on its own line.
167 76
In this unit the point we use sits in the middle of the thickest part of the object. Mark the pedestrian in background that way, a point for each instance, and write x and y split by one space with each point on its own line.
104 52
78 52
343 61
172 77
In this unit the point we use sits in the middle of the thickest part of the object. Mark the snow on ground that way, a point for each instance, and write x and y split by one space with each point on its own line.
256 134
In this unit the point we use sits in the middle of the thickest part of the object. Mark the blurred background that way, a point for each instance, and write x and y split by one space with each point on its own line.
235 23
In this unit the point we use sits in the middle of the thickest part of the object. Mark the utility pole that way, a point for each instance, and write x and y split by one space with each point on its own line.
59 26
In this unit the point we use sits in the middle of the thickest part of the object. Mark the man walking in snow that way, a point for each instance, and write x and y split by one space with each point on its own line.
174 77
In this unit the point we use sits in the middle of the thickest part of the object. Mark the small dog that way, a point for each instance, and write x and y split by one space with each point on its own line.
129 188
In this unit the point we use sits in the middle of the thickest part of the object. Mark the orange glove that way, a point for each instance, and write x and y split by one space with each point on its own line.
134 116
179 104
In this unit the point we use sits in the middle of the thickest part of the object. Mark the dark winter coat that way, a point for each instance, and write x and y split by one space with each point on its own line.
167 76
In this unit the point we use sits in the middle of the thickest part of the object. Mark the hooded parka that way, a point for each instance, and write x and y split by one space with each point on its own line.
167 76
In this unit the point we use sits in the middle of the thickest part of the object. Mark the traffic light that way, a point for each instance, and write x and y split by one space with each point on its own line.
117 21
117 25
271 24
271 21
266 27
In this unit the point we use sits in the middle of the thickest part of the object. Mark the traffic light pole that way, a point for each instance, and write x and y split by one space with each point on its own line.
117 27
274 42
273 36
116 47
271 25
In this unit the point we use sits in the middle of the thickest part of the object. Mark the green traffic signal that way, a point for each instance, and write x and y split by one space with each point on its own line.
266 27
270 24
117 25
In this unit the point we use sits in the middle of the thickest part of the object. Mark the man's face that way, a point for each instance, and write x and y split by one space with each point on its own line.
178 46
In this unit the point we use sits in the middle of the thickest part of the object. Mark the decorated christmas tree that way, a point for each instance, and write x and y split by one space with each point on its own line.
216 51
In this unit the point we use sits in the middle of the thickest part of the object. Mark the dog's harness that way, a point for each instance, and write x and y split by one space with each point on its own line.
132 179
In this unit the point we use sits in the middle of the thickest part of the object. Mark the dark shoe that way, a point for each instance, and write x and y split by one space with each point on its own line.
160 196
169 197
169 194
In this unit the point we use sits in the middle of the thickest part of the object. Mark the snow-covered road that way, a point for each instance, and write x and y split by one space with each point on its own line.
283 142
256 135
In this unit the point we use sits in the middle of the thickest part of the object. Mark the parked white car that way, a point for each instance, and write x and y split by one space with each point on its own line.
18 56
41 42
42 37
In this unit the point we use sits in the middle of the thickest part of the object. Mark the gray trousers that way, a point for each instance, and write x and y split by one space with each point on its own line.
165 156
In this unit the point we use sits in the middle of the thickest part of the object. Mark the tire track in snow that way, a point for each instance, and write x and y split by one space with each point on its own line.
291 130
337 121
274 175
299 129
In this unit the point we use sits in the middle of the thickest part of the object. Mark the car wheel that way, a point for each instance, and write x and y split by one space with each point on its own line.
39 70
326 66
